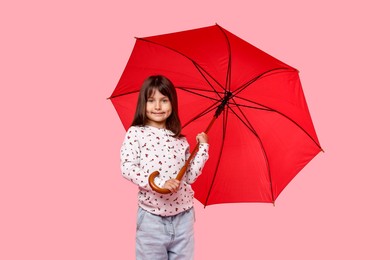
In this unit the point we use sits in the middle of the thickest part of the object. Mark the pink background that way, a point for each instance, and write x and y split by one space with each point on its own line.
61 192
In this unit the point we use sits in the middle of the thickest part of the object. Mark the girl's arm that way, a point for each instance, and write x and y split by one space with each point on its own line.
197 164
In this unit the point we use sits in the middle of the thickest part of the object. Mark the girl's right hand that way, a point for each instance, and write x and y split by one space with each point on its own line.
172 185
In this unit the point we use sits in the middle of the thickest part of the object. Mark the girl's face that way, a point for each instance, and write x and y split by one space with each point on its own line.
158 109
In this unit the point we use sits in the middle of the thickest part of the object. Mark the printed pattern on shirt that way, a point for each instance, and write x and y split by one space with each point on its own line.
147 149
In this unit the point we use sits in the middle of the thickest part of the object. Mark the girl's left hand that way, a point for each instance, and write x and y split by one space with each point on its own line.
202 138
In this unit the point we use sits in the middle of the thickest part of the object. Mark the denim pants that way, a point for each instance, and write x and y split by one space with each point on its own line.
165 238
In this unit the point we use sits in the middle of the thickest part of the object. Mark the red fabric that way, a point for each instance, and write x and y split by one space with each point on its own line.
265 134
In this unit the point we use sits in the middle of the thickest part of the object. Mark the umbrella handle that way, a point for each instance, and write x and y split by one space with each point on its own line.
178 177
181 172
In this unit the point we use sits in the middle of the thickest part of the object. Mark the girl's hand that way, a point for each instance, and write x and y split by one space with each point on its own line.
202 138
172 185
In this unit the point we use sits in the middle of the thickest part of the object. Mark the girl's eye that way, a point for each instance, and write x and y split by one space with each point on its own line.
166 100
150 100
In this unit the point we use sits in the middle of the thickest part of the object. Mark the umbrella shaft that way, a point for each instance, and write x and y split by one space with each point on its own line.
221 107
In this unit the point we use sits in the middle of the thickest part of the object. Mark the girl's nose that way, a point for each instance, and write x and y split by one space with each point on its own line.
158 105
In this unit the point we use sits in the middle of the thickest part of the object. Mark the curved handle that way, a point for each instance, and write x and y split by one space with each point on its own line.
154 186
178 177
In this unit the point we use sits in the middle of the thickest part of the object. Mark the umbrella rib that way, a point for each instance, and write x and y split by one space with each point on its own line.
247 123
123 94
198 94
201 114
282 114
224 124
229 70
206 111
208 82
266 73
198 67
253 107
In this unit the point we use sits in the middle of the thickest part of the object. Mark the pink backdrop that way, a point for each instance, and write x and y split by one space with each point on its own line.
61 192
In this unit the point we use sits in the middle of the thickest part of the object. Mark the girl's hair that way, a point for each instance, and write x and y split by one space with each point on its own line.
165 87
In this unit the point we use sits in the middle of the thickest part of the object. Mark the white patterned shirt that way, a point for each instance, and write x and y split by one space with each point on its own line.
147 149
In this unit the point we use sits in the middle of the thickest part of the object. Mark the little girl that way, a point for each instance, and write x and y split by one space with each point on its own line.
154 143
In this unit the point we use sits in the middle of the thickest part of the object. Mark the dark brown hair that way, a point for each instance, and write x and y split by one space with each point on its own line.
165 87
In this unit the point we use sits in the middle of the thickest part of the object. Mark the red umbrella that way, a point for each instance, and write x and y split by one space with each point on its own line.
263 135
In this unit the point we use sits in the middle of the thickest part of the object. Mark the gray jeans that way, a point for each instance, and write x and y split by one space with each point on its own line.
165 238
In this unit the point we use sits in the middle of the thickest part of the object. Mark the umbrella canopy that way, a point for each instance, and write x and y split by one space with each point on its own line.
264 135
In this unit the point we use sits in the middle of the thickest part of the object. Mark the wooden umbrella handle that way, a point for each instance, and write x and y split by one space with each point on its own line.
181 172
178 177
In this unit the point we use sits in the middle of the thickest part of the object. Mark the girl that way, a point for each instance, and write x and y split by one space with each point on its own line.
154 142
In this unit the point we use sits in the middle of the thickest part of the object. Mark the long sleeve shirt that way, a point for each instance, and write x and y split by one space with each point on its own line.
147 149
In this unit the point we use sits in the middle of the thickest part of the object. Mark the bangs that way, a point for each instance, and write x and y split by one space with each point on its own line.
162 89
150 92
